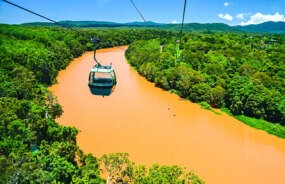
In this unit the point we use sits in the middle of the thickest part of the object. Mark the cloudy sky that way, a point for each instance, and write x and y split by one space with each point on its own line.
236 12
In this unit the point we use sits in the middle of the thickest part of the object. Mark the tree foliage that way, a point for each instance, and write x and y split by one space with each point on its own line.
244 72
121 170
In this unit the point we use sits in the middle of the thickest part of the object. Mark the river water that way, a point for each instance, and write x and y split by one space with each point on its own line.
155 126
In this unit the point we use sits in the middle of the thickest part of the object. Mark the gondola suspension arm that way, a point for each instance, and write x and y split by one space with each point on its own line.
95 42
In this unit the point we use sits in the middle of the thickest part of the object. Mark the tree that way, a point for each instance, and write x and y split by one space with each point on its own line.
121 170
263 78
254 106
200 92
217 96
187 78
53 108
118 166
89 171
236 106
246 69
165 174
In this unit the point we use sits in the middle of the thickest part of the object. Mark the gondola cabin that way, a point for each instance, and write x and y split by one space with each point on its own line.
102 80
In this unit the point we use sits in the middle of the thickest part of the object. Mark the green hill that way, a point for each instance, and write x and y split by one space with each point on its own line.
78 24
149 23
83 24
271 27
39 24
198 27
173 27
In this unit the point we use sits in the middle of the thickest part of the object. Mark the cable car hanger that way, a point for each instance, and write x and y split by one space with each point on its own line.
94 42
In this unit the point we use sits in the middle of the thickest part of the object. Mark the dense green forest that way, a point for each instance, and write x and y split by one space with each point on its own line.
189 27
238 72
167 27
33 147
89 24
272 27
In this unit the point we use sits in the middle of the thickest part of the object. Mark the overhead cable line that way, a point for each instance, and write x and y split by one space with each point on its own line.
183 19
139 13
177 55
47 18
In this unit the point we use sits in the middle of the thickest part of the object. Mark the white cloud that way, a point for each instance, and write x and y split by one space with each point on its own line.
174 22
225 16
242 15
227 4
260 18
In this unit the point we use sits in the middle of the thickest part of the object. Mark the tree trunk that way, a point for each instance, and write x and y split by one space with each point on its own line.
108 179
47 115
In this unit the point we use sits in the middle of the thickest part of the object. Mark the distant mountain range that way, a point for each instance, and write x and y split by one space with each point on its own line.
271 27
85 24
188 27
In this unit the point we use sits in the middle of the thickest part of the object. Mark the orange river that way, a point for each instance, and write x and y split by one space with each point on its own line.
156 126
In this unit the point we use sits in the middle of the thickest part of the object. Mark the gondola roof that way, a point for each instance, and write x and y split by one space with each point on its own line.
102 69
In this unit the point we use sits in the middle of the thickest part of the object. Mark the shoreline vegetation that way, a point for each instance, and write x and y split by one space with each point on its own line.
260 124
243 74
33 146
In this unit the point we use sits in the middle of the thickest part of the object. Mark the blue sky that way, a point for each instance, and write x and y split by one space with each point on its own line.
164 11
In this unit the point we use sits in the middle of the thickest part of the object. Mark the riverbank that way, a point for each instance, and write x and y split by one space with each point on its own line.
271 128
253 97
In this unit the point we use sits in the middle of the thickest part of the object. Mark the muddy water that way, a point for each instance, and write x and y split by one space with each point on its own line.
155 126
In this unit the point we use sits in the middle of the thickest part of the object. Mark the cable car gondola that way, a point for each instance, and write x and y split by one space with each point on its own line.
102 79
